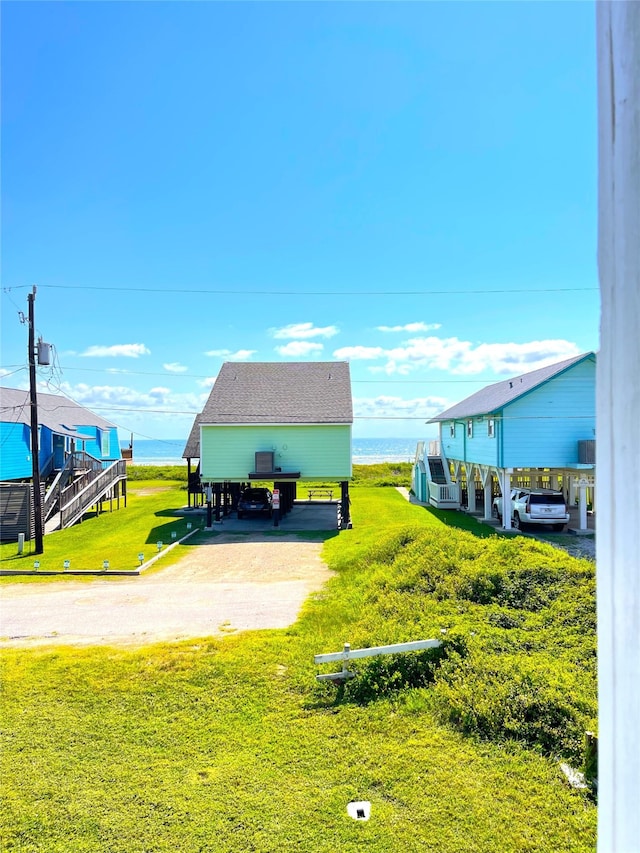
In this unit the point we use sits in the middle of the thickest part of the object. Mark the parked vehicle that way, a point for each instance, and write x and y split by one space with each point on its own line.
535 506
255 500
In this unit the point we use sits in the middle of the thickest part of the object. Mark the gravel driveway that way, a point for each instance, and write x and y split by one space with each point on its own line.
234 583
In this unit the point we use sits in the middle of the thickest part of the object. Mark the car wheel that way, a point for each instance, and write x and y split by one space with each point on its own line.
516 522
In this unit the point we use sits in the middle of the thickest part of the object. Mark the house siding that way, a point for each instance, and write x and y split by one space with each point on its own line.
479 448
103 443
542 429
15 458
318 452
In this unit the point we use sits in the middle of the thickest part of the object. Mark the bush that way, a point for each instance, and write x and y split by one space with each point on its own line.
156 472
385 675
513 698
526 669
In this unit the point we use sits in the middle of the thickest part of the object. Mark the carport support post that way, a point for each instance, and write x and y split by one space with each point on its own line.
218 496
582 503
487 498
471 488
506 499
344 504
209 514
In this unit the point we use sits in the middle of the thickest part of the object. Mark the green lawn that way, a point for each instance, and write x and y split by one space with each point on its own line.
229 744
119 536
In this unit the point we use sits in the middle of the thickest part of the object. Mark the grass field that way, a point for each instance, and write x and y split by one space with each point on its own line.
151 516
229 744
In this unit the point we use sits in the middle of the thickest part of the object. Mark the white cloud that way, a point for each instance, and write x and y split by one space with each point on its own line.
156 412
513 358
359 352
175 367
462 357
412 328
115 351
229 355
298 349
304 331
115 402
385 406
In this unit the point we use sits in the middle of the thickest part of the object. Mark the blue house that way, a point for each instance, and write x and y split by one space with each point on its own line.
534 430
79 456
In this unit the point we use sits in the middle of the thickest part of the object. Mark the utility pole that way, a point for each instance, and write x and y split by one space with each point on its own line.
35 449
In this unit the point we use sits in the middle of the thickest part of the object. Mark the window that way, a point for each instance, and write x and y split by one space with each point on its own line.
104 443
469 429
491 428
452 429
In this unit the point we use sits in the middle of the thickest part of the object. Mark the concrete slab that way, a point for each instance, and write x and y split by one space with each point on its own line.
304 515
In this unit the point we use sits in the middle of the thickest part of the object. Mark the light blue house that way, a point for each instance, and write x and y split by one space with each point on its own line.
79 456
534 430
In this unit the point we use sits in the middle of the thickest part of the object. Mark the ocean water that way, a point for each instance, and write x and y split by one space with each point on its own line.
366 451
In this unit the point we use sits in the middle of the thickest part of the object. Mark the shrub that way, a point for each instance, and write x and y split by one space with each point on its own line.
527 611
512 698
384 675
156 472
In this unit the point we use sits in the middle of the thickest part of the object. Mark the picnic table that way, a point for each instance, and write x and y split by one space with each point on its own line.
325 493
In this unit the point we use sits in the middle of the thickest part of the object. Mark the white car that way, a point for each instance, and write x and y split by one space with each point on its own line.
535 506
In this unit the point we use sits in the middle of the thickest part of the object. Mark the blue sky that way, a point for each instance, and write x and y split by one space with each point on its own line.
409 186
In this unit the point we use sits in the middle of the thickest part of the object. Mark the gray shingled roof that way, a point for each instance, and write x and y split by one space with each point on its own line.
494 397
317 392
56 412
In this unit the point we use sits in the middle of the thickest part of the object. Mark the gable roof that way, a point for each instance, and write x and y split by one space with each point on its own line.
56 412
316 392
495 397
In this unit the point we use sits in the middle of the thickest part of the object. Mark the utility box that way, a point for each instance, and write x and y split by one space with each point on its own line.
587 452
264 461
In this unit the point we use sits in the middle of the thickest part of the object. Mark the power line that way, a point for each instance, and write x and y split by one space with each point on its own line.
169 375
239 292
355 417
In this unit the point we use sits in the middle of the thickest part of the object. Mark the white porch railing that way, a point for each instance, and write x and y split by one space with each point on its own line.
444 496
434 447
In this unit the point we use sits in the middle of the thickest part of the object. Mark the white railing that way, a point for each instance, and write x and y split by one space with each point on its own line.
419 452
445 496
348 654
95 489
434 447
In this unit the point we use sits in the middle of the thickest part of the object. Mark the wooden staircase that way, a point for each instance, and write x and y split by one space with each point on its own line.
82 483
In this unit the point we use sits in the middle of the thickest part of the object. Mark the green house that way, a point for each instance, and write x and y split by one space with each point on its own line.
275 422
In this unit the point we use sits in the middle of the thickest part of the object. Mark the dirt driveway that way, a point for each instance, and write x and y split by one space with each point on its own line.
234 583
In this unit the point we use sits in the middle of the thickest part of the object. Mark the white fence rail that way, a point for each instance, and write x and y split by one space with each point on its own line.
348 654
444 496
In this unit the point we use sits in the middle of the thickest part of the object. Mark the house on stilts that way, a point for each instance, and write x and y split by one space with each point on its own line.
535 430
